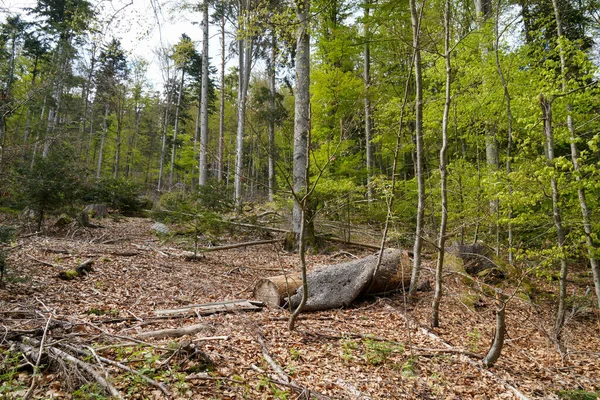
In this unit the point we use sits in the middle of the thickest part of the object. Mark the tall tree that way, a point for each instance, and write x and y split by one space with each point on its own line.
204 99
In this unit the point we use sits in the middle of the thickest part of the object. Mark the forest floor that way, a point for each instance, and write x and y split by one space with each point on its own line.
376 349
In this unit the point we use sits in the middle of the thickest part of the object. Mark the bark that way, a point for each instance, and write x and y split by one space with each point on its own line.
496 349
437 296
419 172
367 100
118 137
301 113
546 105
176 129
175 332
585 212
245 63
339 285
204 101
222 104
271 140
163 151
102 140
509 133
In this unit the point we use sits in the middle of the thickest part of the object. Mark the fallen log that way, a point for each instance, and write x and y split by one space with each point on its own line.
274 290
338 285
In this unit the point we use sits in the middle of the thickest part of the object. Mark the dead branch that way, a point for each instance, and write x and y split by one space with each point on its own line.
34 379
213 308
27 347
117 364
49 264
176 332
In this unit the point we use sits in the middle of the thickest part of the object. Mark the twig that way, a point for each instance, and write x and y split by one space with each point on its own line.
34 380
49 264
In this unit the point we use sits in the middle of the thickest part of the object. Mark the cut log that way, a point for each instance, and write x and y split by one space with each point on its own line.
339 285
96 210
274 290
173 333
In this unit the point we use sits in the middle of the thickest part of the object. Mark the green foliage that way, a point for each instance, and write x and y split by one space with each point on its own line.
54 183
578 395
8 374
119 194
377 352
89 391
199 213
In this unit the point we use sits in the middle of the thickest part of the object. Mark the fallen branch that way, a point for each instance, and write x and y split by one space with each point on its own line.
175 332
49 264
34 379
285 379
53 352
213 308
117 364
237 245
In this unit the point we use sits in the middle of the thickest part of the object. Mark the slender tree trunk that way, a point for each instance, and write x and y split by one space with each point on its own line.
271 150
245 62
133 138
585 212
367 100
301 114
176 130
416 31
118 138
546 105
496 349
222 102
102 140
437 296
509 132
36 142
204 114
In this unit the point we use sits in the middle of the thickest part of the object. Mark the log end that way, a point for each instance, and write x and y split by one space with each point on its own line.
273 290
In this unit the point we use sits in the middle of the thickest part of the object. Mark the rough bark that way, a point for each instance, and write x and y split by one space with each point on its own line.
204 102
339 285
271 153
367 100
222 103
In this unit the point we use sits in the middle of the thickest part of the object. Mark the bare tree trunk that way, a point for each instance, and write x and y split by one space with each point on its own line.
222 103
102 140
132 140
175 130
271 70
509 131
204 112
36 143
437 296
120 112
416 31
245 63
163 151
367 85
585 213
496 349
301 113
546 105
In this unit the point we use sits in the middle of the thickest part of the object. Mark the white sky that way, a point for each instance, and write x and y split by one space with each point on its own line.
142 27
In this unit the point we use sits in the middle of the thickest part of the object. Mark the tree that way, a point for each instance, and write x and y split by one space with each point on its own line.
204 98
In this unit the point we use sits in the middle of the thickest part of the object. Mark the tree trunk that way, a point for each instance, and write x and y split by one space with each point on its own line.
274 290
546 105
367 100
301 113
222 102
102 140
416 270
585 213
118 137
175 130
271 70
204 102
339 285
163 151
437 296
245 62
496 349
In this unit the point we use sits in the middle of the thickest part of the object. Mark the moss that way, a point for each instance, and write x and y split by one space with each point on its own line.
68 275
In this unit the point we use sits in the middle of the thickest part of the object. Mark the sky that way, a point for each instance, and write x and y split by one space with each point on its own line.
142 26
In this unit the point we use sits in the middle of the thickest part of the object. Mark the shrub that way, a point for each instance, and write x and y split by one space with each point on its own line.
53 184
119 194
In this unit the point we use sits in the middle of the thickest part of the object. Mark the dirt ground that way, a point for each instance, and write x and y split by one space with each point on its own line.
377 349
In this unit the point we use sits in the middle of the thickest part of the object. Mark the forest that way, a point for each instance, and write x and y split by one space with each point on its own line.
330 199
